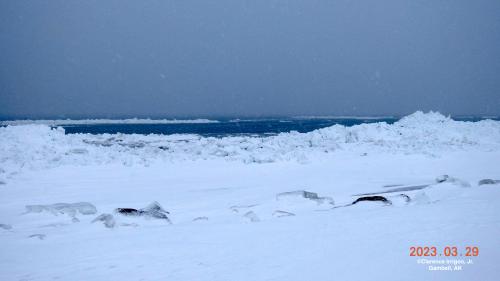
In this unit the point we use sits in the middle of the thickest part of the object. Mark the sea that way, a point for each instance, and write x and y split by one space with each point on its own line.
233 127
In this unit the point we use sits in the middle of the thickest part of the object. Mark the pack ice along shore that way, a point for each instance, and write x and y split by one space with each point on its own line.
322 205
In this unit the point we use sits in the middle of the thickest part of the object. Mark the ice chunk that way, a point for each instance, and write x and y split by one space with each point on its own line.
37 146
157 215
488 181
70 209
304 194
200 219
154 207
84 208
153 210
107 219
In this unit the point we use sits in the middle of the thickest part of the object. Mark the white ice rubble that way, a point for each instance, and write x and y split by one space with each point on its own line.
61 122
40 146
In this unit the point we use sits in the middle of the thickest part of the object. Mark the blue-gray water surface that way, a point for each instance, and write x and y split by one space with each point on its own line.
252 127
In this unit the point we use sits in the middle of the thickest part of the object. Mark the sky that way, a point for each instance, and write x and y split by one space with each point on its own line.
121 58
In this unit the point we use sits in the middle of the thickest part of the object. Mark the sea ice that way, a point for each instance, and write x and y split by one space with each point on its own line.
39 162
70 209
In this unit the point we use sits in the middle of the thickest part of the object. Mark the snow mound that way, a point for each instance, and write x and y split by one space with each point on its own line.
40 146
107 219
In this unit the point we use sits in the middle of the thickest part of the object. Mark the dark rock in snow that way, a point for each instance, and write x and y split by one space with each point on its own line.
128 211
372 198
488 181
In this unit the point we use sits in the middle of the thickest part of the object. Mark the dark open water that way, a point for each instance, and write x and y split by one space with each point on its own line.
222 128
255 127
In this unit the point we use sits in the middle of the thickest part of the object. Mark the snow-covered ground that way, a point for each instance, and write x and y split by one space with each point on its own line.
233 210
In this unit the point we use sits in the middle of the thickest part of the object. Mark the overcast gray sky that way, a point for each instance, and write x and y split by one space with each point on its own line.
248 58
